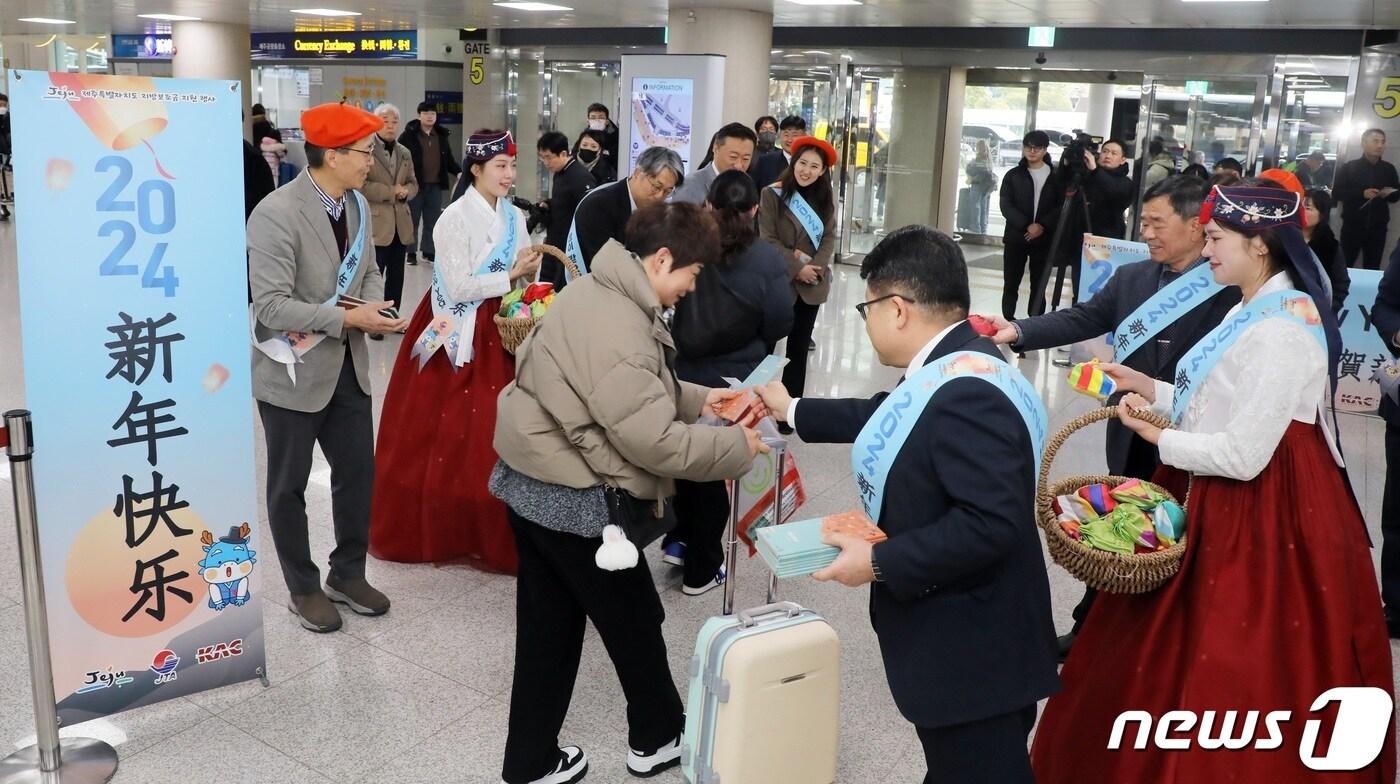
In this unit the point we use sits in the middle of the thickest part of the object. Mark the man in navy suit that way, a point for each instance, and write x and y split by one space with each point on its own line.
960 598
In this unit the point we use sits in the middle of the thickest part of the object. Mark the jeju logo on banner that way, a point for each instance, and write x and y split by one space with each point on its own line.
136 368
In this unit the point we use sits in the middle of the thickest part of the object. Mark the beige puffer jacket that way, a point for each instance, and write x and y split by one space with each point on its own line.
595 400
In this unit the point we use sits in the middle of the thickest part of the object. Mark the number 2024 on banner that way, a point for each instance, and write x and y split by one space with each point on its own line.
154 210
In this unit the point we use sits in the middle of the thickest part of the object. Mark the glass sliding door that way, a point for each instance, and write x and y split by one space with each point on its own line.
1206 119
994 120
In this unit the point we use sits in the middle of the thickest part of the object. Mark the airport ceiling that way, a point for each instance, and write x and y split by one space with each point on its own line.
122 16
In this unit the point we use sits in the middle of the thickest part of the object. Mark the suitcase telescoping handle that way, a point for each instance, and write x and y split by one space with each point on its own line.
779 446
750 617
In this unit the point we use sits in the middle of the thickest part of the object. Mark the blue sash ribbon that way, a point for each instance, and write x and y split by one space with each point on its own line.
572 247
1193 369
289 347
884 434
806 216
1171 302
450 316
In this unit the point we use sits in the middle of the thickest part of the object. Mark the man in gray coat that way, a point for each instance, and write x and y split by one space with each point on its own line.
309 249
732 148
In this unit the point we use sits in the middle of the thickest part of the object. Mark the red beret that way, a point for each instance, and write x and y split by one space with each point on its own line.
333 125
823 148
1283 177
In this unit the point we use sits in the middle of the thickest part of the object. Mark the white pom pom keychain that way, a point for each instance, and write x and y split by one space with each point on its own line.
617 552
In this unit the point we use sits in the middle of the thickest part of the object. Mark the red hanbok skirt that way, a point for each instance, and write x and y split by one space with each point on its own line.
434 455
1276 602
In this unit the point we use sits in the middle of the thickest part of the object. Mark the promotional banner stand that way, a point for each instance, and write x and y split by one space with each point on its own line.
80 760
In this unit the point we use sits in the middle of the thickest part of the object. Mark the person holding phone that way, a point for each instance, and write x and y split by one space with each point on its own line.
434 454
309 246
798 216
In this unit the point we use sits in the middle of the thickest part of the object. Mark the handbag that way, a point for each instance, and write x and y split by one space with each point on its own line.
636 516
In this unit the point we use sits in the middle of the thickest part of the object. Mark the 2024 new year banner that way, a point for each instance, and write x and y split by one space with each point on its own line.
132 284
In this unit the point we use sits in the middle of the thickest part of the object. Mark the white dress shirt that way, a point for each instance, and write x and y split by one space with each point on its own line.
918 362
464 236
1274 374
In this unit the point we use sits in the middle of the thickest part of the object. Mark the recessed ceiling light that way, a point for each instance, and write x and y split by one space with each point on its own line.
324 12
46 20
533 6
169 17
824 2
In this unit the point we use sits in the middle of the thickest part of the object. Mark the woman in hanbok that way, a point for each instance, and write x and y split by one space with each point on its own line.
1276 601
434 454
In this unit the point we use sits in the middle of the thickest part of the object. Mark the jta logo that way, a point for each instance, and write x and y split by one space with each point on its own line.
163 664
1363 717
223 650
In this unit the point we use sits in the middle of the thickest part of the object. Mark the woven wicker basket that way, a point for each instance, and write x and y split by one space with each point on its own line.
1109 572
515 330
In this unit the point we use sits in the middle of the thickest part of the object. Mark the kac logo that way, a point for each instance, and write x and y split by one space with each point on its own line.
163 664
223 650
1363 717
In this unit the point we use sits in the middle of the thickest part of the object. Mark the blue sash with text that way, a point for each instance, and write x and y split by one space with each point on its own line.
811 222
884 434
1193 369
1170 303
449 317
572 247
289 347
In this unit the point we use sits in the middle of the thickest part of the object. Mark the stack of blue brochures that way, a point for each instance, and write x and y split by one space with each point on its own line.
795 549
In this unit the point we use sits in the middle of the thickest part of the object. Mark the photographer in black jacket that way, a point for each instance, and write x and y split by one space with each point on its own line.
1108 191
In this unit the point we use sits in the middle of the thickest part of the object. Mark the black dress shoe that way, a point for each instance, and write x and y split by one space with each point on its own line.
411 259
811 345
1062 645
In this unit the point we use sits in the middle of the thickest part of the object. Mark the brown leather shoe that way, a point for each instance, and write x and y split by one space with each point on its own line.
315 612
358 595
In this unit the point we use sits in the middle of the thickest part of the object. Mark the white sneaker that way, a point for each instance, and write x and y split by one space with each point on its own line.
648 765
572 767
707 587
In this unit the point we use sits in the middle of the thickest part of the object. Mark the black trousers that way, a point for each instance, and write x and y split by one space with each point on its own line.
804 320
345 431
1365 242
557 588
702 513
1015 257
1390 523
390 259
989 751
428 206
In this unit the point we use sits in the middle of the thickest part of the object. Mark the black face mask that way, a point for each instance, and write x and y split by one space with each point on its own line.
588 156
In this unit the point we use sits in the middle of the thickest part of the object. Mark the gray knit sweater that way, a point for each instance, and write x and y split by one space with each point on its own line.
556 507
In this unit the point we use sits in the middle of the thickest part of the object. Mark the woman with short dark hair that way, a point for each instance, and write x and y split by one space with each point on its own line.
588 148
592 435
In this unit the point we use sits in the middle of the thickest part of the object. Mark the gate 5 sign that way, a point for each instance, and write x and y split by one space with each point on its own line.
131 282
476 64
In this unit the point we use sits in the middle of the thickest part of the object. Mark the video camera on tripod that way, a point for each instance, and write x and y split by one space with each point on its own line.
1075 146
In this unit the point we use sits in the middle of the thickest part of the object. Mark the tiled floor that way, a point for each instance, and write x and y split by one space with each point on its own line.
419 695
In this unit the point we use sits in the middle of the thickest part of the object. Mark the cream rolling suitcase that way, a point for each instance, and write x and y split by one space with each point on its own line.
764 698
765 687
